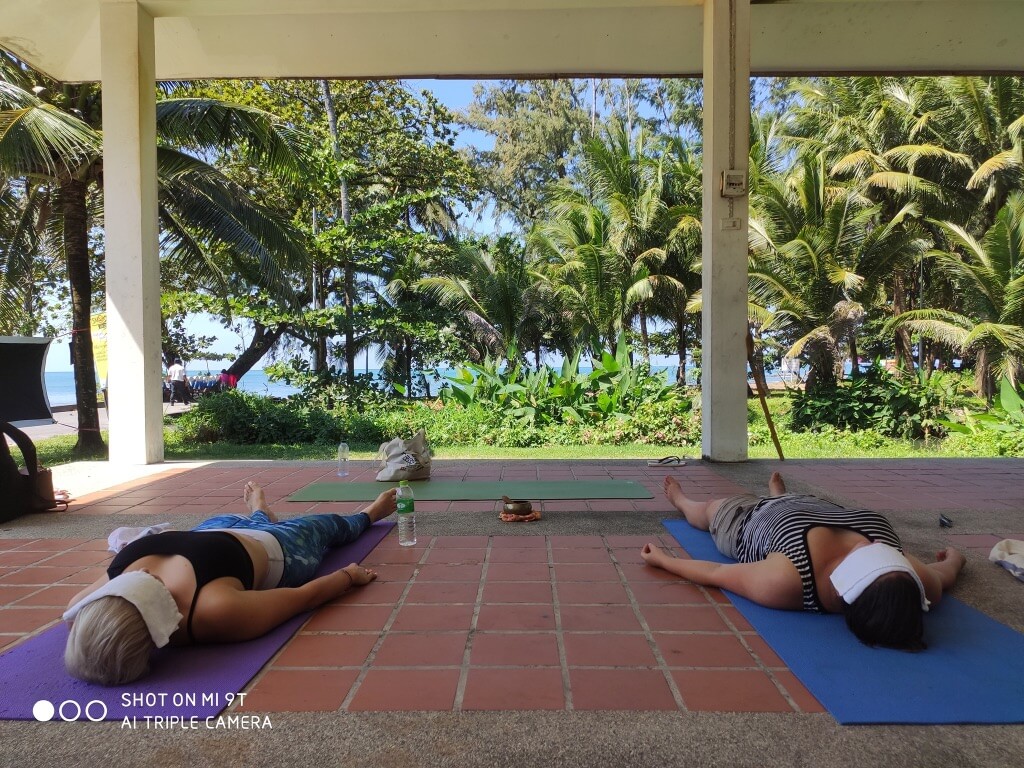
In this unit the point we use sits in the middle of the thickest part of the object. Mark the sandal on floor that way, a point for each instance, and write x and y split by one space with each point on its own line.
667 461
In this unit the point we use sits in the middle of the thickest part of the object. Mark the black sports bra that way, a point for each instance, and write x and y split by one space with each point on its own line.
212 554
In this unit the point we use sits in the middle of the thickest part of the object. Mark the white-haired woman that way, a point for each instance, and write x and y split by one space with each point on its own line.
231 578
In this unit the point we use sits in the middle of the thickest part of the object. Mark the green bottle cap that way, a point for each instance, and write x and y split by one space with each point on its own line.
403 482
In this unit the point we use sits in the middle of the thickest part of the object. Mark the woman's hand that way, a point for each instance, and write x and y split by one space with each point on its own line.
951 555
359 575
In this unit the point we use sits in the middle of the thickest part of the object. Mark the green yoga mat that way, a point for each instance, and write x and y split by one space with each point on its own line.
455 490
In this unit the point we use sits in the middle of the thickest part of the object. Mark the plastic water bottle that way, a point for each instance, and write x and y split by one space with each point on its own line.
342 459
406 514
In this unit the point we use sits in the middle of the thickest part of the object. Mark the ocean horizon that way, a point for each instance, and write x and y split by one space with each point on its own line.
60 385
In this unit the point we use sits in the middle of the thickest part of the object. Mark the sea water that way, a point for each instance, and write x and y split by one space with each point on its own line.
60 385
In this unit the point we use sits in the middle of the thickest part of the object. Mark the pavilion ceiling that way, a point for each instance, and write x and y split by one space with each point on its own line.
489 38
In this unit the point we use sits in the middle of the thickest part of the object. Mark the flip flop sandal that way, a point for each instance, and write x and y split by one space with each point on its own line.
667 461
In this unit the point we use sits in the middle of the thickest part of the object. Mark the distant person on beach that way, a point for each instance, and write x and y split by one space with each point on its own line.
178 380
800 552
229 579
227 380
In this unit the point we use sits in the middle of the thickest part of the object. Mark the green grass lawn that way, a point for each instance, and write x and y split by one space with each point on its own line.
58 450
805 445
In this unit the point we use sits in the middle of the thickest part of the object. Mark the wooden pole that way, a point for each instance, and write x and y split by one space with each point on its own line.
762 395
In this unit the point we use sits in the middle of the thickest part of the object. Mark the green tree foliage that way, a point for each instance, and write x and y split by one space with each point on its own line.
51 137
537 127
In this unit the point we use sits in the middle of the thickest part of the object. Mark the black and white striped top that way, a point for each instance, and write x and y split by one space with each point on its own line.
781 523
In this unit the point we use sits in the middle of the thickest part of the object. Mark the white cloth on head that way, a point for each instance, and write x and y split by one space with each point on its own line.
863 565
120 538
149 596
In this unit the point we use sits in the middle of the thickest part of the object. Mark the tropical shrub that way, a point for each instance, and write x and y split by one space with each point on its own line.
615 387
241 417
894 404
1000 429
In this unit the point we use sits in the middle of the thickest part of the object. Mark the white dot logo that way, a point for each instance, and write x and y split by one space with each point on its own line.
43 710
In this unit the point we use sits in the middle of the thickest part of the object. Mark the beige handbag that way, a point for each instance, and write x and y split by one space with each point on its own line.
405 459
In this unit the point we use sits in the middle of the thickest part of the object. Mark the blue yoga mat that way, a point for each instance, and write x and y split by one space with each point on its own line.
972 671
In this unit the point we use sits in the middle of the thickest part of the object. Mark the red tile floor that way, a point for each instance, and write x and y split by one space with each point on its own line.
499 622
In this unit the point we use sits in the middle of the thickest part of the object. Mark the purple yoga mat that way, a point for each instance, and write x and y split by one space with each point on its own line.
189 681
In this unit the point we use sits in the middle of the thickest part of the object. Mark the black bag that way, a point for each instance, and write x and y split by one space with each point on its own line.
23 490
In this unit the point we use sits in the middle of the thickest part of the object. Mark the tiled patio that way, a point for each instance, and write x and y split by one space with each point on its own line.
522 618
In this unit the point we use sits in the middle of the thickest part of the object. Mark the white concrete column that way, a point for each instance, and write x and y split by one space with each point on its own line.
132 256
724 229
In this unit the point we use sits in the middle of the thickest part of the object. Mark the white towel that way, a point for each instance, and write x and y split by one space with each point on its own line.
149 596
863 565
119 538
1009 553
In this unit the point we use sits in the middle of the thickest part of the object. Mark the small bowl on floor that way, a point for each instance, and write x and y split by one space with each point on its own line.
516 506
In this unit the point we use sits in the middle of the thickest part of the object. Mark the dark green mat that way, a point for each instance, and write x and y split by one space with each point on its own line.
455 490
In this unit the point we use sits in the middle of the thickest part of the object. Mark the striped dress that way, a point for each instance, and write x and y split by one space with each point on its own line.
781 523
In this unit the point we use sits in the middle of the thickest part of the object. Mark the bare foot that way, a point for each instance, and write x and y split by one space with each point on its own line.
256 500
382 506
654 556
776 486
674 492
360 575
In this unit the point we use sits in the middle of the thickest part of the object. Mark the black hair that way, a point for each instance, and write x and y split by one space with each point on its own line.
888 613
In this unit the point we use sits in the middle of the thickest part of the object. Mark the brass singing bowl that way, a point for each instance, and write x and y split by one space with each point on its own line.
516 506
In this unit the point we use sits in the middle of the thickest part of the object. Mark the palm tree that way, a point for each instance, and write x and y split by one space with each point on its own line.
883 135
592 284
627 175
819 252
492 286
990 281
52 137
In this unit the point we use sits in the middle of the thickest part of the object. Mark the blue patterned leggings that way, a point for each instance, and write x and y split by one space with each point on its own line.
304 540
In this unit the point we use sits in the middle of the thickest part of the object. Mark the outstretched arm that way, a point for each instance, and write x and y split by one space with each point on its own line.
231 615
941 575
773 582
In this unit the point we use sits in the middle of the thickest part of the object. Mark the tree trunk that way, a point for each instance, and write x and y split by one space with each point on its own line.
757 369
346 216
76 254
263 339
901 341
408 367
854 358
822 356
320 338
984 381
681 350
645 338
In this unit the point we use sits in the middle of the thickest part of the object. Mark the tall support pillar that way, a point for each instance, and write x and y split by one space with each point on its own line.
132 256
724 229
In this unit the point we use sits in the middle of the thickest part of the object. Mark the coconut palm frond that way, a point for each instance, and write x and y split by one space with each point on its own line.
903 183
39 140
937 324
999 335
859 162
260 137
996 164
910 154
